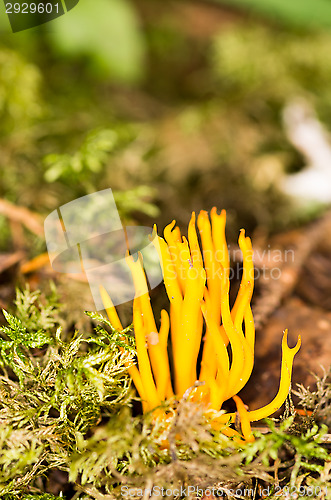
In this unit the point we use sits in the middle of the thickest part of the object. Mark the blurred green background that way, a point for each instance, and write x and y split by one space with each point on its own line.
177 106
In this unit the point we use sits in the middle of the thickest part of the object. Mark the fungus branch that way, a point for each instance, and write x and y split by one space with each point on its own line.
196 279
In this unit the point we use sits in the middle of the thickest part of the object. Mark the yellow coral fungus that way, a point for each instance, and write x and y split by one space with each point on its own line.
196 279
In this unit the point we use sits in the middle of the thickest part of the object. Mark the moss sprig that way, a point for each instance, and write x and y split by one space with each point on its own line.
53 391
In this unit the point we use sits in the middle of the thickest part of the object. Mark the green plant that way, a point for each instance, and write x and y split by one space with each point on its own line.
69 408
53 391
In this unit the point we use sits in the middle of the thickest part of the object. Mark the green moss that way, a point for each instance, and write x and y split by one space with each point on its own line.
66 403
53 391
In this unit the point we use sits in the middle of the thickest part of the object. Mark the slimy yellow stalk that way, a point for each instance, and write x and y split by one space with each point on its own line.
196 279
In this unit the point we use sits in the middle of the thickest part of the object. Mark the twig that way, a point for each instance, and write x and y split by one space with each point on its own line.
9 260
29 219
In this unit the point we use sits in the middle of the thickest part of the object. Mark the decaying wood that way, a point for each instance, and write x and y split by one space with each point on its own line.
275 290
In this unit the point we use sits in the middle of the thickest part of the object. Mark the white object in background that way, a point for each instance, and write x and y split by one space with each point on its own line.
307 135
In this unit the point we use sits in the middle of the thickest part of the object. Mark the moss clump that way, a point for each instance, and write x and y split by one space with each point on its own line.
66 405
53 391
